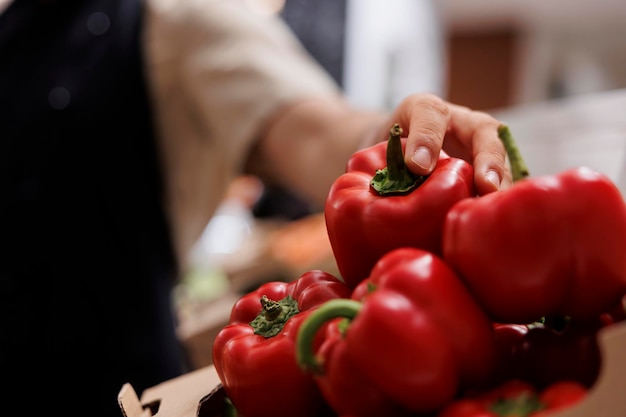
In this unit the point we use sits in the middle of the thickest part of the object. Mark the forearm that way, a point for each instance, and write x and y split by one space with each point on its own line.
307 145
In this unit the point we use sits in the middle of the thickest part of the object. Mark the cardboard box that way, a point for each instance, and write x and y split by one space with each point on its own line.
199 393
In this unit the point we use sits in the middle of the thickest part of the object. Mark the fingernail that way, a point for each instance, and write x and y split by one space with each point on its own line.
423 158
494 178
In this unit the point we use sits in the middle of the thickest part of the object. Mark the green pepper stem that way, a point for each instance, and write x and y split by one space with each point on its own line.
395 156
518 166
395 178
273 315
270 308
340 307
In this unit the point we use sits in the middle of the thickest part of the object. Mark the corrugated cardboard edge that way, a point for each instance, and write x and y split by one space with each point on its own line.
178 397
130 404
186 395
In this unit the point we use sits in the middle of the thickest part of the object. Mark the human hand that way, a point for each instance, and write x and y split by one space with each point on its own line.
432 124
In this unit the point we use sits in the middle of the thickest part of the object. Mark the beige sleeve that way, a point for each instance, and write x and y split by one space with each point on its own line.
217 73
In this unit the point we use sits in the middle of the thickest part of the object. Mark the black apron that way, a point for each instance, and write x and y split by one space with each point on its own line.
86 263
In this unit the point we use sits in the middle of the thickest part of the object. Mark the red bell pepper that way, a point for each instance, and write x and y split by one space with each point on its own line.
544 353
516 398
415 337
254 355
508 339
378 205
548 245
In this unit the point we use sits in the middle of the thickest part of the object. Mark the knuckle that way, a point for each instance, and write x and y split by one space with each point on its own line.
485 119
429 133
427 102
435 104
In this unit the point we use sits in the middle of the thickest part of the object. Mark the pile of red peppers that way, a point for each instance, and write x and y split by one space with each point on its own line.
448 303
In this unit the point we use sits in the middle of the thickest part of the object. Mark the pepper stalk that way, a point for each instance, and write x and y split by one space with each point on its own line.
341 307
395 178
274 315
518 166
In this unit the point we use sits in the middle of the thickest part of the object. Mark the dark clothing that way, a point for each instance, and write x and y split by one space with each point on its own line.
320 25
86 265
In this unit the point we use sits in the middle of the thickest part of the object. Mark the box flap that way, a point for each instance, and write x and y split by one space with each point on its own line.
130 404
179 397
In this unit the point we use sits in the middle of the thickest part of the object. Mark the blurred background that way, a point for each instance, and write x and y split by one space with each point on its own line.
554 71
507 53
479 53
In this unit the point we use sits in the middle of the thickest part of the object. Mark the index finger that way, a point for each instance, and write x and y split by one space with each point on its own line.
426 118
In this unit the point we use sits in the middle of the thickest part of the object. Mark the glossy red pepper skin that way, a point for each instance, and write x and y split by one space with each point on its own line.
364 225
509 340
417 339
260 374
346 386
517 398
543 355
550 245
560 395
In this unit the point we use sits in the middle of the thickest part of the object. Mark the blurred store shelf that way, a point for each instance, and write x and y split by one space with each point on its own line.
523 51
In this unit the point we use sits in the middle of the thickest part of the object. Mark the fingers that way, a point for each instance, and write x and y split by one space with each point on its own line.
478 132
427 118
433 124
490 172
